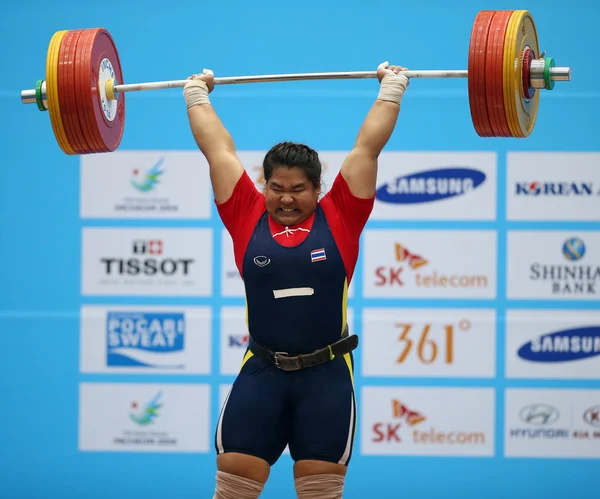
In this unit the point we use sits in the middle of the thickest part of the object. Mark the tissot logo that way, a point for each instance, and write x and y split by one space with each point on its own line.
148 266
147 261
150 247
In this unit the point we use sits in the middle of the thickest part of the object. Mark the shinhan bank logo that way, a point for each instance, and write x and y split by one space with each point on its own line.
147 414
146 182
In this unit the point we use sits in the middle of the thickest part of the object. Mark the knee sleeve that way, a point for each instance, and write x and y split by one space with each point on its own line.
236 487
326 486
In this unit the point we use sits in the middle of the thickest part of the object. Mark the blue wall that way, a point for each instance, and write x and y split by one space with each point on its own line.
40 223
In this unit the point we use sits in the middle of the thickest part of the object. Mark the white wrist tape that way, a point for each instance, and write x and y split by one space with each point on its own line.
393 87
195 93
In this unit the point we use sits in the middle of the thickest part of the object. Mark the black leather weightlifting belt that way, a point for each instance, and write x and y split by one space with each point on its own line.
285 362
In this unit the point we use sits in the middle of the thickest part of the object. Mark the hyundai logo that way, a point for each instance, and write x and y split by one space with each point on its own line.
539 414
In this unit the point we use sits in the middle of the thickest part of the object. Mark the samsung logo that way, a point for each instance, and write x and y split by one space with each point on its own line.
563 346
430 185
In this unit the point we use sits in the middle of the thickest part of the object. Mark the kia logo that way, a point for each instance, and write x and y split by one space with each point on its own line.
539 414
592 416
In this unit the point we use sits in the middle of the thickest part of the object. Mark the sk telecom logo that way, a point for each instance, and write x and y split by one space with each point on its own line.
403 416
392 275
412 259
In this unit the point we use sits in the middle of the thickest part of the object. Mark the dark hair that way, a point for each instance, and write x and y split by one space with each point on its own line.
293 155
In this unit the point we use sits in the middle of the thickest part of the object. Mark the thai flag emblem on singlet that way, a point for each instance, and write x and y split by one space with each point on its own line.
318 255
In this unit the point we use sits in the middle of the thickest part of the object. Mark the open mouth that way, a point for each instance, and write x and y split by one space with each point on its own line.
288 210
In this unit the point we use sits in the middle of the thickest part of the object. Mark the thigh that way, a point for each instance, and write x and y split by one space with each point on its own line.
323 413
254 417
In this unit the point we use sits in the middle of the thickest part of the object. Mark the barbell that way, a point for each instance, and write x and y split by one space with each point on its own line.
84 92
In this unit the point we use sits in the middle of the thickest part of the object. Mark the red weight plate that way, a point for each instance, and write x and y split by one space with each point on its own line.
66 92
476 70
63 61
83 77
498 75
471 79
78 117
109 114
494 65
89 89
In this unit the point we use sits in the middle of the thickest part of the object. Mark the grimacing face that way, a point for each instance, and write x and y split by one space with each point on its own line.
290 196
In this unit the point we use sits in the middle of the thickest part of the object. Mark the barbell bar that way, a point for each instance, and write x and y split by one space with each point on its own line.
556 74
85 94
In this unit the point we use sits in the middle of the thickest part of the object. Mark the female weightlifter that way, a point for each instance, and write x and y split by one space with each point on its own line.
296 255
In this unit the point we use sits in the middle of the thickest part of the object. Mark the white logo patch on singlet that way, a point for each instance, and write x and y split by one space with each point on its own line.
262 261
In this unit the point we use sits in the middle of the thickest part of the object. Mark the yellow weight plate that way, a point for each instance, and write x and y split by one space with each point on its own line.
527 109
52 91
521 112
507 89
50 87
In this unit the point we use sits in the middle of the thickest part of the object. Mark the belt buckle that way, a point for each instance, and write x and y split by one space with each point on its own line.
277 360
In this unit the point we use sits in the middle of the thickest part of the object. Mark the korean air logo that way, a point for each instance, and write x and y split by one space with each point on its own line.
430 185
238 340
555 189
563 346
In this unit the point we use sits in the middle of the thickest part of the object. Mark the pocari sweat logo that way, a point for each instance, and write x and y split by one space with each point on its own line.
430 185
563 346
142 339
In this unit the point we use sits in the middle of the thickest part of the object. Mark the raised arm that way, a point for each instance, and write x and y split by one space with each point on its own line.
212 137
360 167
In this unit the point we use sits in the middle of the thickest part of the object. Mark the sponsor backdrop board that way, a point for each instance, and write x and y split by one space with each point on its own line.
476 296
